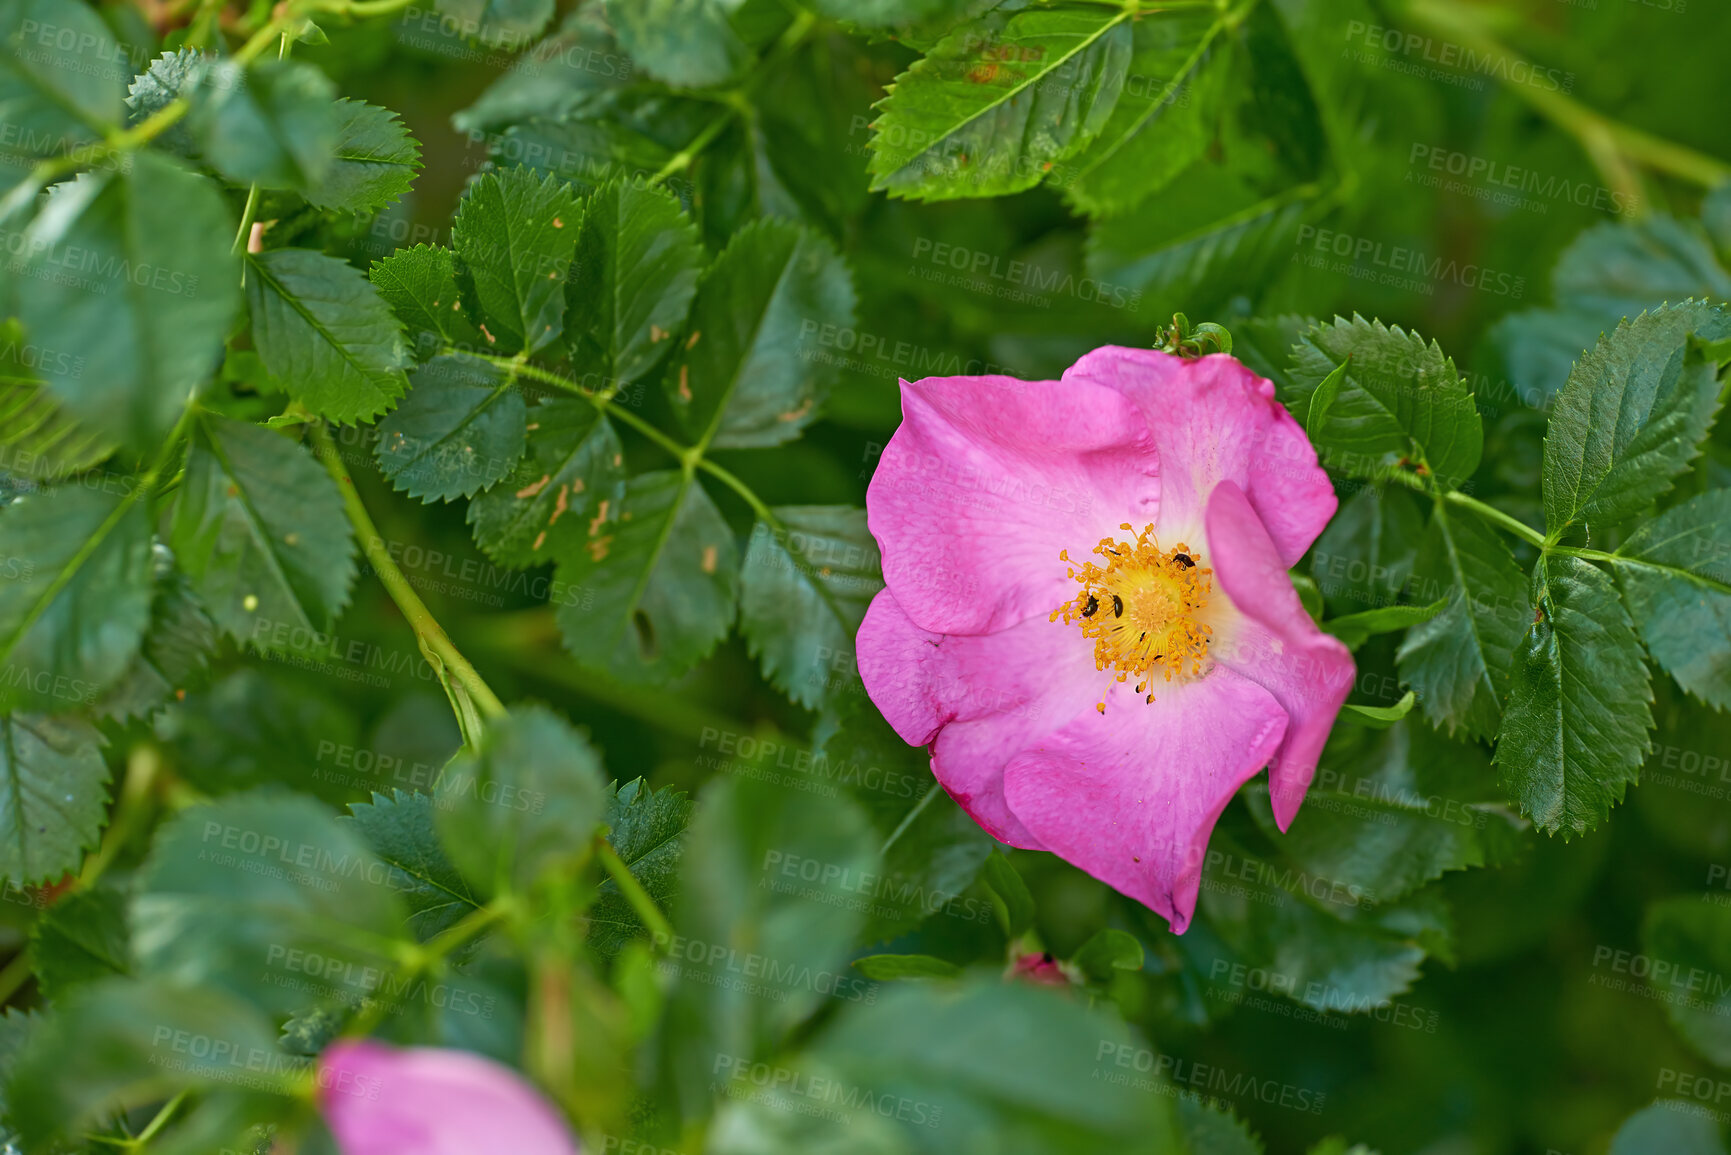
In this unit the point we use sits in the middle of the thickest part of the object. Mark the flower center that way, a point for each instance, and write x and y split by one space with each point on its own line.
1140 608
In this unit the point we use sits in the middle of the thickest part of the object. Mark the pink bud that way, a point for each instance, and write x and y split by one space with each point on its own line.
1040 968
381 1100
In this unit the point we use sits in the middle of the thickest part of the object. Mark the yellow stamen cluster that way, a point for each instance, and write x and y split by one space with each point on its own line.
1140 608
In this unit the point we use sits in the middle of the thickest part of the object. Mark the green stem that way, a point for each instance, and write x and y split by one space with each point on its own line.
744 491
1588 554
426 955
246 215
16 974
682 159
660 930
1497 517
1610 143
435 645
142 767
158 1122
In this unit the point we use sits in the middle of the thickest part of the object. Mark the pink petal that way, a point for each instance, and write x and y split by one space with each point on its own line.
1131 796
1274 643
379 1100
1214 420
987 479
976 699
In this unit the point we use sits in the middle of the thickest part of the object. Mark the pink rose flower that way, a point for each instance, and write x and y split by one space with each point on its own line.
381 1100
1087 615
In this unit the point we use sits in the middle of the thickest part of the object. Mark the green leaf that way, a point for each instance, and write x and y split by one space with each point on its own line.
399 827
524 805
1356 629
61 82
1000 100
16 1029
886 968
42 439
1676 578
744 377
54 798
1365 556
1458 661
372 164
931 849
259 528
756 952
325 335
1631 417
78 940
684 43
176 647
1164 116
460 429
122 1045
541 508
420 285
994 1066
657 574
555 78
647 829
1010 897
885 13
1401 401
1108 950
638 257
1326 943
1322 399
1669 1127
241 894
586 152
498 23
804 589
151 250
1379 717
1391 810
169 77
1210 1128
1575 730
77 598
1161 263
262 726
514 236
271 123
1693 938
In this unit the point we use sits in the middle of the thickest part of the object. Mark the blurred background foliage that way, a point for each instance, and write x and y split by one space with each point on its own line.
1524 1030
